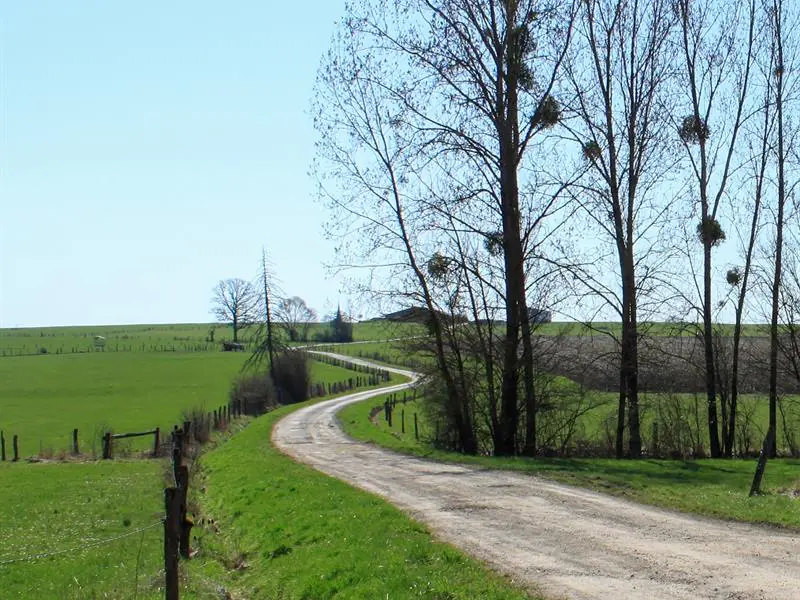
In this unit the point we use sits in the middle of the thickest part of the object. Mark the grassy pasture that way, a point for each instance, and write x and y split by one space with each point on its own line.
54 507
182 337
714 488
45 397
60 506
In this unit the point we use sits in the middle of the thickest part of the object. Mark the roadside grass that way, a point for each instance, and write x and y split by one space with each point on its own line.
287 531
715 488
45 397
53 507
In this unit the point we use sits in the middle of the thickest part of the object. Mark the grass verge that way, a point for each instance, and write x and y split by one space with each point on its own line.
715 488
282 530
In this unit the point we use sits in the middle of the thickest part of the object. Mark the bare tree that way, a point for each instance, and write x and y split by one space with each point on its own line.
441 101
783 23
618 70
295 317
716 43
234 301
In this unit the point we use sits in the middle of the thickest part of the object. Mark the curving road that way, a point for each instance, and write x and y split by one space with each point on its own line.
566 542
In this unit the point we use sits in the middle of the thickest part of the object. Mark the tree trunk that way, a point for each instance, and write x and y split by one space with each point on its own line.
514 273
630 338
776 281
708 347
530 391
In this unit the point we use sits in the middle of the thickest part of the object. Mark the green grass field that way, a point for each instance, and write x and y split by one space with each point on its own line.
717 488
72 506
183 337
50 507
45 397
287 531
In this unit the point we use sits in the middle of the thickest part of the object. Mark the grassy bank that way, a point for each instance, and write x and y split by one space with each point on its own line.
283 530
716 488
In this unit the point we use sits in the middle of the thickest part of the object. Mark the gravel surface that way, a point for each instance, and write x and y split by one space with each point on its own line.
565 542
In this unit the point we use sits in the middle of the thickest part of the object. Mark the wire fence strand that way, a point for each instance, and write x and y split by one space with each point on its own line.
43 555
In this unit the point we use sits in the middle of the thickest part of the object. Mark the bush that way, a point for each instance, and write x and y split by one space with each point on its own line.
292 376
256 393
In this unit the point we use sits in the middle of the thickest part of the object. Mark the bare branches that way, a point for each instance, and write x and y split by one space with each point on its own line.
235 301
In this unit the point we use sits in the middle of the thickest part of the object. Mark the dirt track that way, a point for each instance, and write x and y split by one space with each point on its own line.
567 542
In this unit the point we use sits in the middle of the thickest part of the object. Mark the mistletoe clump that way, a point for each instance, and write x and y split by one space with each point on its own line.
693 130
710 232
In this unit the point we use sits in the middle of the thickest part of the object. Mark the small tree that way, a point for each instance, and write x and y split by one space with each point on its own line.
341 328
295 317
234 301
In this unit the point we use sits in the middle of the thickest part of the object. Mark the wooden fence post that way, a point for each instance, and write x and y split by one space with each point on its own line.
182 479
107 445
171 543
766 449
75 448
403 420
156 441
2 446
416 428
15 444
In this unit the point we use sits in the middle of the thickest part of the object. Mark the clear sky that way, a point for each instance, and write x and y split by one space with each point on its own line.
150 149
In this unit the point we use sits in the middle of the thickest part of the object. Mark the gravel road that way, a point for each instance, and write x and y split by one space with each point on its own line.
565 542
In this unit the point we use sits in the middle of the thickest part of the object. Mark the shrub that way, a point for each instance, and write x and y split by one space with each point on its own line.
256 393
196 415
291 376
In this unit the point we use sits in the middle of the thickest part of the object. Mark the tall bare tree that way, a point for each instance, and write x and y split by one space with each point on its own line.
452 91
783 28
716 44
619 69
235 301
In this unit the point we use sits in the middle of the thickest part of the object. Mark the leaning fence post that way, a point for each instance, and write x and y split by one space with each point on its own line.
75 448
15 444
156 441
107 445
2 446
171 543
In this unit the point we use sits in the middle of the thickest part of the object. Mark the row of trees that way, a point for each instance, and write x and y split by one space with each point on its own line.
482 157
240 303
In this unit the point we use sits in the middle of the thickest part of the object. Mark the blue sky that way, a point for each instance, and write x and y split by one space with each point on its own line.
150 149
